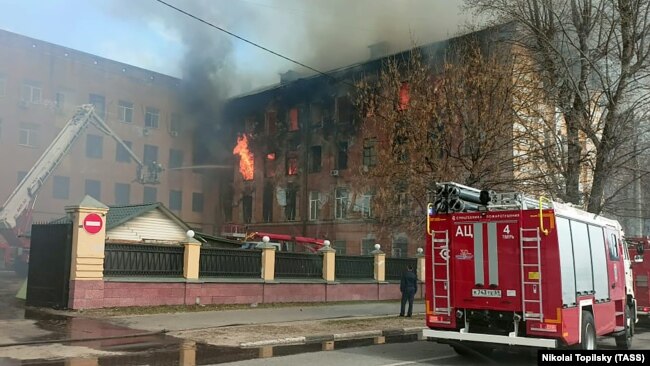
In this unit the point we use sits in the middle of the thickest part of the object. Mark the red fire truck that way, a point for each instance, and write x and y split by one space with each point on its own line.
508 270
641 272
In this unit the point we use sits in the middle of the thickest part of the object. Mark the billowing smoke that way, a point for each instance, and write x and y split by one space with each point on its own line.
323 34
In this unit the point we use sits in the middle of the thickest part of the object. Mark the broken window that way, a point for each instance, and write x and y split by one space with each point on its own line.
152 117
369 152
125 111
292 164
269 165
271 119
342 155
293 119
99 101
290 208
404 97
267 203
344 110
315 158
317 115
341 203
247 211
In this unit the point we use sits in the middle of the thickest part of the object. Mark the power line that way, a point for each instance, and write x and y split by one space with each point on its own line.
246 40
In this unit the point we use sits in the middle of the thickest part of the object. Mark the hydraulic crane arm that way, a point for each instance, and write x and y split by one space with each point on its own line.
26 191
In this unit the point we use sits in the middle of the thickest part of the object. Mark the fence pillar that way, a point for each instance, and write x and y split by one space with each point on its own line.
268 260
421 263
191 257
87 259
187 355
329 258
380 264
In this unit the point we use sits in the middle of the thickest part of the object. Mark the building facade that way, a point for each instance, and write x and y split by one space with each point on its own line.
41 84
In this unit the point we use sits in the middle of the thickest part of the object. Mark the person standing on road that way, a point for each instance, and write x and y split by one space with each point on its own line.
408 286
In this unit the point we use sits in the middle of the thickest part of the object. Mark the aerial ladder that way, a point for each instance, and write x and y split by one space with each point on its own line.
21 201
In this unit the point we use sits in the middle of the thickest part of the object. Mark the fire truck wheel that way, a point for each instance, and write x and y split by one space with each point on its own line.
588 340
625 341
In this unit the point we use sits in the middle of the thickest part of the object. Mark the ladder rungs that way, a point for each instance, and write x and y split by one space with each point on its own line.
440 264
531 283
532 300
440 280
530 238
529 247
530 264
441 297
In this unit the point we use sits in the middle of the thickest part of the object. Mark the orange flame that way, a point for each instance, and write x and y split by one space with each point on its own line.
246 161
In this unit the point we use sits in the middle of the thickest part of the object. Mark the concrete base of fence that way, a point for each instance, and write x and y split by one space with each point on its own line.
120 292
86 294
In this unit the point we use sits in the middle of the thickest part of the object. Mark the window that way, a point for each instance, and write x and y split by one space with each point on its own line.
32 93
292 165
94 146
599 260
61 187
121 154
59 100
403 203
367 246
125 111
340 247
100 104
567 270
150 195
151 117
613 248
290 208
341 203
247 209
93 188
122 194
293 119
267 203
269 165
399 248
314 205
580 238
315 158
365 205
175 124
270 121
317 115
369 152
150 154
175 158
21 176
343 110
175 200
27 135
342 155
197 202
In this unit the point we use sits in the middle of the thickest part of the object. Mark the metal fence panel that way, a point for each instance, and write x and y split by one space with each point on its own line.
143 260
298 265
395 267
355 267
221 262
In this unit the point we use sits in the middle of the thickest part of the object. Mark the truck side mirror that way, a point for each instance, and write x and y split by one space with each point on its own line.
639 249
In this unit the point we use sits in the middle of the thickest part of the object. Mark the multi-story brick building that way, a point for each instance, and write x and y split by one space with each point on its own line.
41 84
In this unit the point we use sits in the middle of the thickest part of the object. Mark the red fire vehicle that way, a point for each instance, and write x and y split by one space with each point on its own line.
507 270
641 272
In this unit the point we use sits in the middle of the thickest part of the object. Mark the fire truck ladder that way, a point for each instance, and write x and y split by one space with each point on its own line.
440 260
531 285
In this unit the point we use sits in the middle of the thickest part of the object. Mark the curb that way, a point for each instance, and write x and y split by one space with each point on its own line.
333 337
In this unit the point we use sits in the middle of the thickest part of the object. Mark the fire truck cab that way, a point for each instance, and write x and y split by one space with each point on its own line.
507 270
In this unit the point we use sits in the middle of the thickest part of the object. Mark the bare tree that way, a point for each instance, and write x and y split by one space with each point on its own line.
591 60
427 120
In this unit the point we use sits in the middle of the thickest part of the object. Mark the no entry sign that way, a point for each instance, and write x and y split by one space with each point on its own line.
93 223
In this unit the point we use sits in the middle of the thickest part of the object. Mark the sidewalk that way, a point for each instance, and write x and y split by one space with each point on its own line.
224 318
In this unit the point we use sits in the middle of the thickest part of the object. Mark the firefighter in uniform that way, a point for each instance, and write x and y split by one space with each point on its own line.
408 286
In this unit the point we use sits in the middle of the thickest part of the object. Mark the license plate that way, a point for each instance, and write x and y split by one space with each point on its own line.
486 293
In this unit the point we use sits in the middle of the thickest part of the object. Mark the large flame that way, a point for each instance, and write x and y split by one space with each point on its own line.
246 161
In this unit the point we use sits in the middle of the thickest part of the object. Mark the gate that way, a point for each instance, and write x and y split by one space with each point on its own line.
48 280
